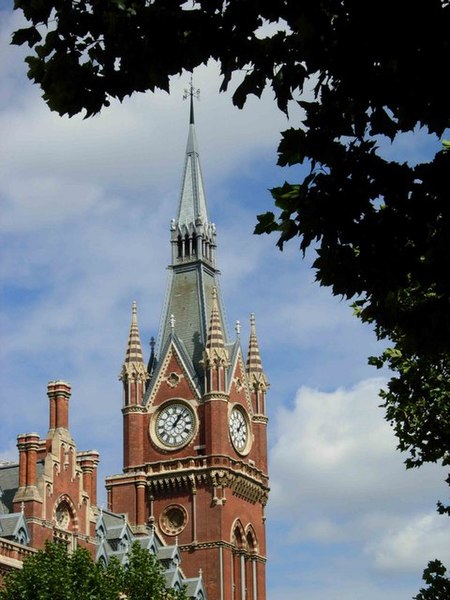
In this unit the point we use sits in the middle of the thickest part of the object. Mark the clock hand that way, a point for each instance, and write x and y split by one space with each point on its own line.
182 414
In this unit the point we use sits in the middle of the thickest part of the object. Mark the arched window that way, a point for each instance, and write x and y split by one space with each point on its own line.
251 565
252 544
238 561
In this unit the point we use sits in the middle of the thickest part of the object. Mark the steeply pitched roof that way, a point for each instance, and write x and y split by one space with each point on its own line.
193 274
9 483
13 527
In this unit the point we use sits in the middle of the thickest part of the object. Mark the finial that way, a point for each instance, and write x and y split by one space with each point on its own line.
191 92
152 344
22 507
134 309
200 572
237 328
176 540
172 322
252 319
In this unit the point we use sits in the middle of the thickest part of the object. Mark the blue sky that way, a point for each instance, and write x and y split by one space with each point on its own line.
85 212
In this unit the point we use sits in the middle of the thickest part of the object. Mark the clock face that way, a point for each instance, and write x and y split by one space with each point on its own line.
175 424
238 429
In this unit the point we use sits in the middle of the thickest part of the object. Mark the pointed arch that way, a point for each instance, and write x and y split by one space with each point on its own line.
238 574
251 566
251 539
238 535
65 513
179 246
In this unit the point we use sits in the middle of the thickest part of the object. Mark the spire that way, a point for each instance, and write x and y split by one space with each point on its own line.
193 274
254 365
134 366
192 209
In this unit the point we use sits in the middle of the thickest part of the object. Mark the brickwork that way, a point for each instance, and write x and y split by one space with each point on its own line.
195 447
57 485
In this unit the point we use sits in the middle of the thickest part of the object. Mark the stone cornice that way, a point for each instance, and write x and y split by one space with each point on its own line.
240 483
221 544
260 419
244 480
133 408
216 396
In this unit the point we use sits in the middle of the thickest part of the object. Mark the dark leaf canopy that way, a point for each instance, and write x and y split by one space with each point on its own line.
377 70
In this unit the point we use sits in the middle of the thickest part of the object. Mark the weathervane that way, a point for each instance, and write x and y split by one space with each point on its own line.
191 93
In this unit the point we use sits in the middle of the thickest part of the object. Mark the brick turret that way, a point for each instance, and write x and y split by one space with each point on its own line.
134 376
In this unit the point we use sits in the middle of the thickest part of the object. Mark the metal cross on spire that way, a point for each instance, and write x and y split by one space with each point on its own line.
191 92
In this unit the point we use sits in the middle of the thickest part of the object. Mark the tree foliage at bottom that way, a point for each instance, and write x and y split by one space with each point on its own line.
54 574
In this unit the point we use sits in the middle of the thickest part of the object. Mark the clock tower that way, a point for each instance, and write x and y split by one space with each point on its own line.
194 418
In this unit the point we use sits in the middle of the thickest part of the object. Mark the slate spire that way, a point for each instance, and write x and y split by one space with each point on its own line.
193 273
192 207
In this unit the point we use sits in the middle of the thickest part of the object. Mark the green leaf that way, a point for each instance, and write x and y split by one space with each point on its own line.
28 35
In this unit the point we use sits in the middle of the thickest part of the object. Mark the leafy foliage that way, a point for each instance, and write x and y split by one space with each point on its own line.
53 574
438 584
365 74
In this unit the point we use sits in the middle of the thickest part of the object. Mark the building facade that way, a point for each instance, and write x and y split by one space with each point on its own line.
51 493
194 418
194 429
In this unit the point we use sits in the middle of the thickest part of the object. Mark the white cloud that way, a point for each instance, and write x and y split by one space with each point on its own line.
38 202
336 473
412 544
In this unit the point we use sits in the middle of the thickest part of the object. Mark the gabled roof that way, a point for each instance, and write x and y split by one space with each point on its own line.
13 526
195 588
109 545
175 344
169 556
9 483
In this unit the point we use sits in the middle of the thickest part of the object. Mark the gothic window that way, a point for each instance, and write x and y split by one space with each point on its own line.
102 561
124 545
238 566
21 537
252 546
100 534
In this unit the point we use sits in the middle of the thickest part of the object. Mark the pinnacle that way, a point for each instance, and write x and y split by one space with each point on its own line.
215 333
134 349
254 364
